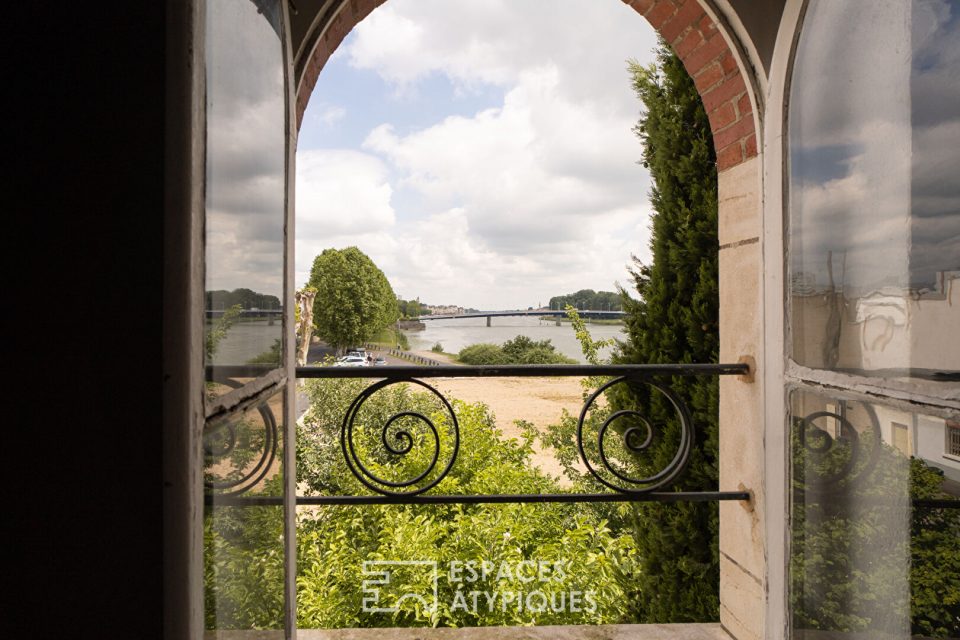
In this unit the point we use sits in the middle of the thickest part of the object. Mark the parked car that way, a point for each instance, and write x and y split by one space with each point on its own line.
380 361
351 361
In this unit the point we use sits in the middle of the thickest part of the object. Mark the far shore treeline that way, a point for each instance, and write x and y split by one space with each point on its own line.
588 299
221 299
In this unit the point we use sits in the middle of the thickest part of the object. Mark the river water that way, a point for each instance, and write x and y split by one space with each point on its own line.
454 335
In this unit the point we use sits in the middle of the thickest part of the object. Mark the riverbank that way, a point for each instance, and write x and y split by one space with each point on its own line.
539 401
453 335
598 321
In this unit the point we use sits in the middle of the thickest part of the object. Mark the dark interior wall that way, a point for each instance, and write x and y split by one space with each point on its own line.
761 19
84 465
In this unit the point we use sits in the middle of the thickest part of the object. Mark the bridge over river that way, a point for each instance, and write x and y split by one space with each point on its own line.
596 314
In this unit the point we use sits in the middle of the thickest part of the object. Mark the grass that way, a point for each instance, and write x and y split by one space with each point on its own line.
389 338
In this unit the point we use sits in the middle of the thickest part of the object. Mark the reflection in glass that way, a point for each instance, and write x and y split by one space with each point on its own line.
244 260
246 189
243 545
865 562
875 189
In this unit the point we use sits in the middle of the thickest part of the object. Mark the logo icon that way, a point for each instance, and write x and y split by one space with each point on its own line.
379 575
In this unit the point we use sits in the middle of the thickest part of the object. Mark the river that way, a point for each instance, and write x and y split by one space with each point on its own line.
454 335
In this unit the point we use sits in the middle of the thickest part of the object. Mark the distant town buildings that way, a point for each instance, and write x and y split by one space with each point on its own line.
445 310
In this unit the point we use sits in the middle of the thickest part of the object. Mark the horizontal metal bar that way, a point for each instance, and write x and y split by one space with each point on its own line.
930 503
524 370
513 498
520 498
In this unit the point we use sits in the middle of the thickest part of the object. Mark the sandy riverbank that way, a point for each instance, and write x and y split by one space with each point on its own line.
539 401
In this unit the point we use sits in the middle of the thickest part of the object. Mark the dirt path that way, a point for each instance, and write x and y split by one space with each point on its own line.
539 401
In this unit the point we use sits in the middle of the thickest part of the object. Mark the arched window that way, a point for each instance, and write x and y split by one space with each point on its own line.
873 314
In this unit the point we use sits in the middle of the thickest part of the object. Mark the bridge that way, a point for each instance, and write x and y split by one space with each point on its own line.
597 314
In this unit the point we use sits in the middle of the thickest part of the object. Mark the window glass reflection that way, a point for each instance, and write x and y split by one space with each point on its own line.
871 555
875 189
243 543
246 188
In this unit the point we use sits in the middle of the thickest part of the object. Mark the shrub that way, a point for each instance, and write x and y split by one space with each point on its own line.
244 568
334 542
519 350
482 353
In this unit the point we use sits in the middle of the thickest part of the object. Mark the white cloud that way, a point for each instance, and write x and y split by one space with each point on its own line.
331 114
342 192
538 170
538 196
495 41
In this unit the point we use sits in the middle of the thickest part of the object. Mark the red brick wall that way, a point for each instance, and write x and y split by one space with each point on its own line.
682 23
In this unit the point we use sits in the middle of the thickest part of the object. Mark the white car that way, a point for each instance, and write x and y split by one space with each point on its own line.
351 361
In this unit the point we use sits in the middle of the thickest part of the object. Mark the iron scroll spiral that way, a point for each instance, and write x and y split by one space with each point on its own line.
635 440
859 460
220 440
398 443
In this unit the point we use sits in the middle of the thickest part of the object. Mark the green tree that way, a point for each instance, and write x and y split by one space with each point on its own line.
675 320
354 299
588 299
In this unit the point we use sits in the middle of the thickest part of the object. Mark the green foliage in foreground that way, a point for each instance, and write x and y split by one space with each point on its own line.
587 562
675 320
519 350
335 543
862 560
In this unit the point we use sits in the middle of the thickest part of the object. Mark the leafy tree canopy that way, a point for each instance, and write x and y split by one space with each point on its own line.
587 299
354 299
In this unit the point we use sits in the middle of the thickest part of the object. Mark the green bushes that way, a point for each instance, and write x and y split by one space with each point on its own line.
587 562
482 353
520 350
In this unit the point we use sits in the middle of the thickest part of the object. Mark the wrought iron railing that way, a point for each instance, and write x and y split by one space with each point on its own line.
397 441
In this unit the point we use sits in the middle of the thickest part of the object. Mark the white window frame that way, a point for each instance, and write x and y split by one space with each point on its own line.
780 373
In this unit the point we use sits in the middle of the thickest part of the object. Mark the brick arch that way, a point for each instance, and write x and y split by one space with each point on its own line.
684 24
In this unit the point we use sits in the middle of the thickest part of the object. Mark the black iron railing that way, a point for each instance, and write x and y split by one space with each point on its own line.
398 441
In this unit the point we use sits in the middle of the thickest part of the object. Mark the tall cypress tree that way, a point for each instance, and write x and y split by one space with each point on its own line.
675 320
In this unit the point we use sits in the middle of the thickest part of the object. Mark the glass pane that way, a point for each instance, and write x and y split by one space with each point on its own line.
869 558
243 543
875 189
246 188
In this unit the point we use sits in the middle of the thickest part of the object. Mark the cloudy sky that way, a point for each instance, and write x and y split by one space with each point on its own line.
245 151
480 151
875 134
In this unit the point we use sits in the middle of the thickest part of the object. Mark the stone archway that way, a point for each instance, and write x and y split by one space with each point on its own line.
712 55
